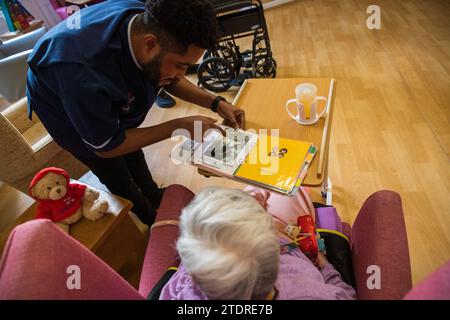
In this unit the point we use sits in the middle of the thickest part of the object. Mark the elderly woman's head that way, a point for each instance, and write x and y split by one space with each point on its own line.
228 245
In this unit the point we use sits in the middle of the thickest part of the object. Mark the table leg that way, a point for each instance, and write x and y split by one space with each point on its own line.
327 186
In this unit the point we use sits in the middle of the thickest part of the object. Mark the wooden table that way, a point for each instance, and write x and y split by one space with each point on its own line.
264 103
114 238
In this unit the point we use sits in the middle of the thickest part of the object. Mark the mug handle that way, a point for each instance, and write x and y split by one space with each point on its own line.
289 112
324 109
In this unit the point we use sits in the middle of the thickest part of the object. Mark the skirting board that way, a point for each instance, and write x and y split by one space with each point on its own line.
276 3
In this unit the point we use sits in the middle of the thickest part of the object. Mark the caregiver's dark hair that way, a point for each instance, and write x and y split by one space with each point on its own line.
179 23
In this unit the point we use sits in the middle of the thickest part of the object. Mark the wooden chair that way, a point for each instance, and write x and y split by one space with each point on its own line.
27 147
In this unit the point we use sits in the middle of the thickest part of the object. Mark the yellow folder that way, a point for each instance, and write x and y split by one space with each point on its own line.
277 163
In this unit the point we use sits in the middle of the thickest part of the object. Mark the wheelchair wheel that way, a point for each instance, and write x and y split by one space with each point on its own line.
223 52
206 56
215 74
265 67
260 46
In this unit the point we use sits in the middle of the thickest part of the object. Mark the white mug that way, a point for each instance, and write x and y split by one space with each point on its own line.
306 94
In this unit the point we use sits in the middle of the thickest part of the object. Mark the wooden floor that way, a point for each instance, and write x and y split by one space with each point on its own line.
391 122
392 113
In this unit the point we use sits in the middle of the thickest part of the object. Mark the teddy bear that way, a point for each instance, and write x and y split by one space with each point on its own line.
293 231
64 202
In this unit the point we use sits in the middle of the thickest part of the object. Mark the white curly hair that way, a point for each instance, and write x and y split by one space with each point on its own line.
229 245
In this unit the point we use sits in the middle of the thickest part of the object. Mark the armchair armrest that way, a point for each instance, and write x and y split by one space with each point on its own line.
161 252
379 239
33 131
22 43
17 114
13 73
35 266
436 286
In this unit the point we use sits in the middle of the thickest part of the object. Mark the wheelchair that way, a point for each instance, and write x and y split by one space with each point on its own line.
228 65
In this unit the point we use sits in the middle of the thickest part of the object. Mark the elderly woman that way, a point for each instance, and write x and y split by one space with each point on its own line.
230 249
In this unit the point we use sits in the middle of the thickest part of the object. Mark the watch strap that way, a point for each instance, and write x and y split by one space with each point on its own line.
215 103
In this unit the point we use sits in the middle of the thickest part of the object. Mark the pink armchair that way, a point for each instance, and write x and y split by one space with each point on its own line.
378 238
436 286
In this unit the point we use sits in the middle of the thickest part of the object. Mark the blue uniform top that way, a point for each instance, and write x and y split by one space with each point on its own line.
85 84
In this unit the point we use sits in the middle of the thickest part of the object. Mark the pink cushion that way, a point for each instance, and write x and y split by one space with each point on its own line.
35 261
284 208
161 251
434 287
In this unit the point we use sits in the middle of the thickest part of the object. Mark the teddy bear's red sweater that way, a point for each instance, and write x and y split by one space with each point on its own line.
58 210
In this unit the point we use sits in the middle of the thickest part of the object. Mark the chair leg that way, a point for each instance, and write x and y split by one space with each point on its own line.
327 191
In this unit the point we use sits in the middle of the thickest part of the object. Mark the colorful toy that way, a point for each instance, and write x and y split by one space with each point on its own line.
305 237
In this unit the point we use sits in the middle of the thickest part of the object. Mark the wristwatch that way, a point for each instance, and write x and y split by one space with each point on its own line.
215 103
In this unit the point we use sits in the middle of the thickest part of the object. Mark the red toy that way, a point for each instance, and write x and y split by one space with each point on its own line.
308 244
304 237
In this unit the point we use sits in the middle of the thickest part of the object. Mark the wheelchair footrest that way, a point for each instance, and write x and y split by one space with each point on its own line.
239 80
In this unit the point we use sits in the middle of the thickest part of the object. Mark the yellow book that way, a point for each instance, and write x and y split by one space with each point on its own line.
271 162
277 163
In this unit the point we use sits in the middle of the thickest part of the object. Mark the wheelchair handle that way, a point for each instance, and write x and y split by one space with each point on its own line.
234 5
